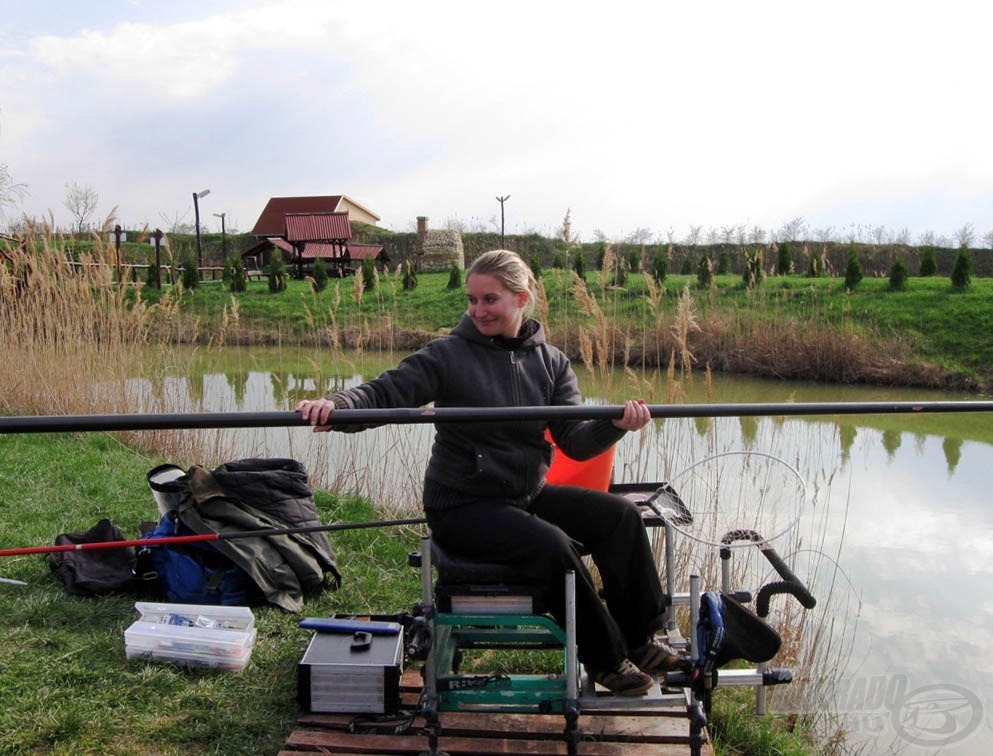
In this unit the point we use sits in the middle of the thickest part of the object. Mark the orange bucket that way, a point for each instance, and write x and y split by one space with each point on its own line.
595 473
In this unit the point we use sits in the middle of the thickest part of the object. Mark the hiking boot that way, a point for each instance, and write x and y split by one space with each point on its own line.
655 658
623 680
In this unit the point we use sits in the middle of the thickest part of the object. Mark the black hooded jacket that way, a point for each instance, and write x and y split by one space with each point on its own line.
500 460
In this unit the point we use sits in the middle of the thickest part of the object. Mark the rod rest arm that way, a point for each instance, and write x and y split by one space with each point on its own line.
790 583
791 587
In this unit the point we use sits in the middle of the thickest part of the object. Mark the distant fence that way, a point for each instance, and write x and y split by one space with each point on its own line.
137 273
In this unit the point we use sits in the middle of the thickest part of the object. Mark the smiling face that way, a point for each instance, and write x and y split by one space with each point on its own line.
495 310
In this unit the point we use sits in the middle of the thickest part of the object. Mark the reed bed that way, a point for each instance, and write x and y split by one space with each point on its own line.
75 341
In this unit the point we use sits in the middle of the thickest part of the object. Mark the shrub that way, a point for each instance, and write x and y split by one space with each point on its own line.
898 275
687 267
754 271
454 278
153 279
962 271
723 263
660 267
368 274
234 273
558 261
620 276
191 274
784 259
928 264
704 272
578 266
276 273
409 277
853 270
320 275
535 264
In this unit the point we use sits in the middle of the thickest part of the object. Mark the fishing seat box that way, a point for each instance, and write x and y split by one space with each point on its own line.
332 677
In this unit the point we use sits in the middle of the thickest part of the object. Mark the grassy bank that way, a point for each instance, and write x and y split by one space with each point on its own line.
790 326
67 687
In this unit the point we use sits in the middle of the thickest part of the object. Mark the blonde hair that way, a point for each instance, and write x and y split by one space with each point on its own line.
511 271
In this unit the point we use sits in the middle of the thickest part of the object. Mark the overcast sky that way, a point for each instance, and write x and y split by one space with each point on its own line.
634 115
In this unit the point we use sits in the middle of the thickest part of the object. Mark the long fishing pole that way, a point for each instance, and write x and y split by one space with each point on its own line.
404 416
197 537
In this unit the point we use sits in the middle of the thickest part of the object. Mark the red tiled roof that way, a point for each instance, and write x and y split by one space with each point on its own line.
272 221
362 251
317 226
263 244
313 250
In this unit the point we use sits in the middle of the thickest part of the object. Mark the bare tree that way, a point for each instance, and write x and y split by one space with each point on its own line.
454 223
639 236
824 235
693 237
965 236
10 191
476 226
756 235
927 239
178 225
81 201
988 239
902 236
879 234
793 230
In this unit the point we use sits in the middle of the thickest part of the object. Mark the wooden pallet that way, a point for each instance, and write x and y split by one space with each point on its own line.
619 731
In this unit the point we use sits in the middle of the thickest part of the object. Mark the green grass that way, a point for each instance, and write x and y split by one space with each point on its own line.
736 730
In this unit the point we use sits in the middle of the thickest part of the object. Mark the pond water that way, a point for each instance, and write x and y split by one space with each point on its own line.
887 518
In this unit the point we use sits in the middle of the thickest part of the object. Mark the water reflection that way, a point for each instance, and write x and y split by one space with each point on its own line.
895 535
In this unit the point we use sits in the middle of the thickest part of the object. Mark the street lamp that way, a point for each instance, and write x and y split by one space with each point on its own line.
196 214
224 238
501 200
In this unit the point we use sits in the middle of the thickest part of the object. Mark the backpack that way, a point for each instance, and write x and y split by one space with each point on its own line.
94 572
193 573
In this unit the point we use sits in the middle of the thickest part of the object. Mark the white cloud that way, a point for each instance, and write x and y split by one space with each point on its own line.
633 114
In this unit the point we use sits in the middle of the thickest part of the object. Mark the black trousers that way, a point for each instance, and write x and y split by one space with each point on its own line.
551 536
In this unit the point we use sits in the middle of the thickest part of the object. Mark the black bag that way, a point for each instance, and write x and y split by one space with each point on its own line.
95 572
